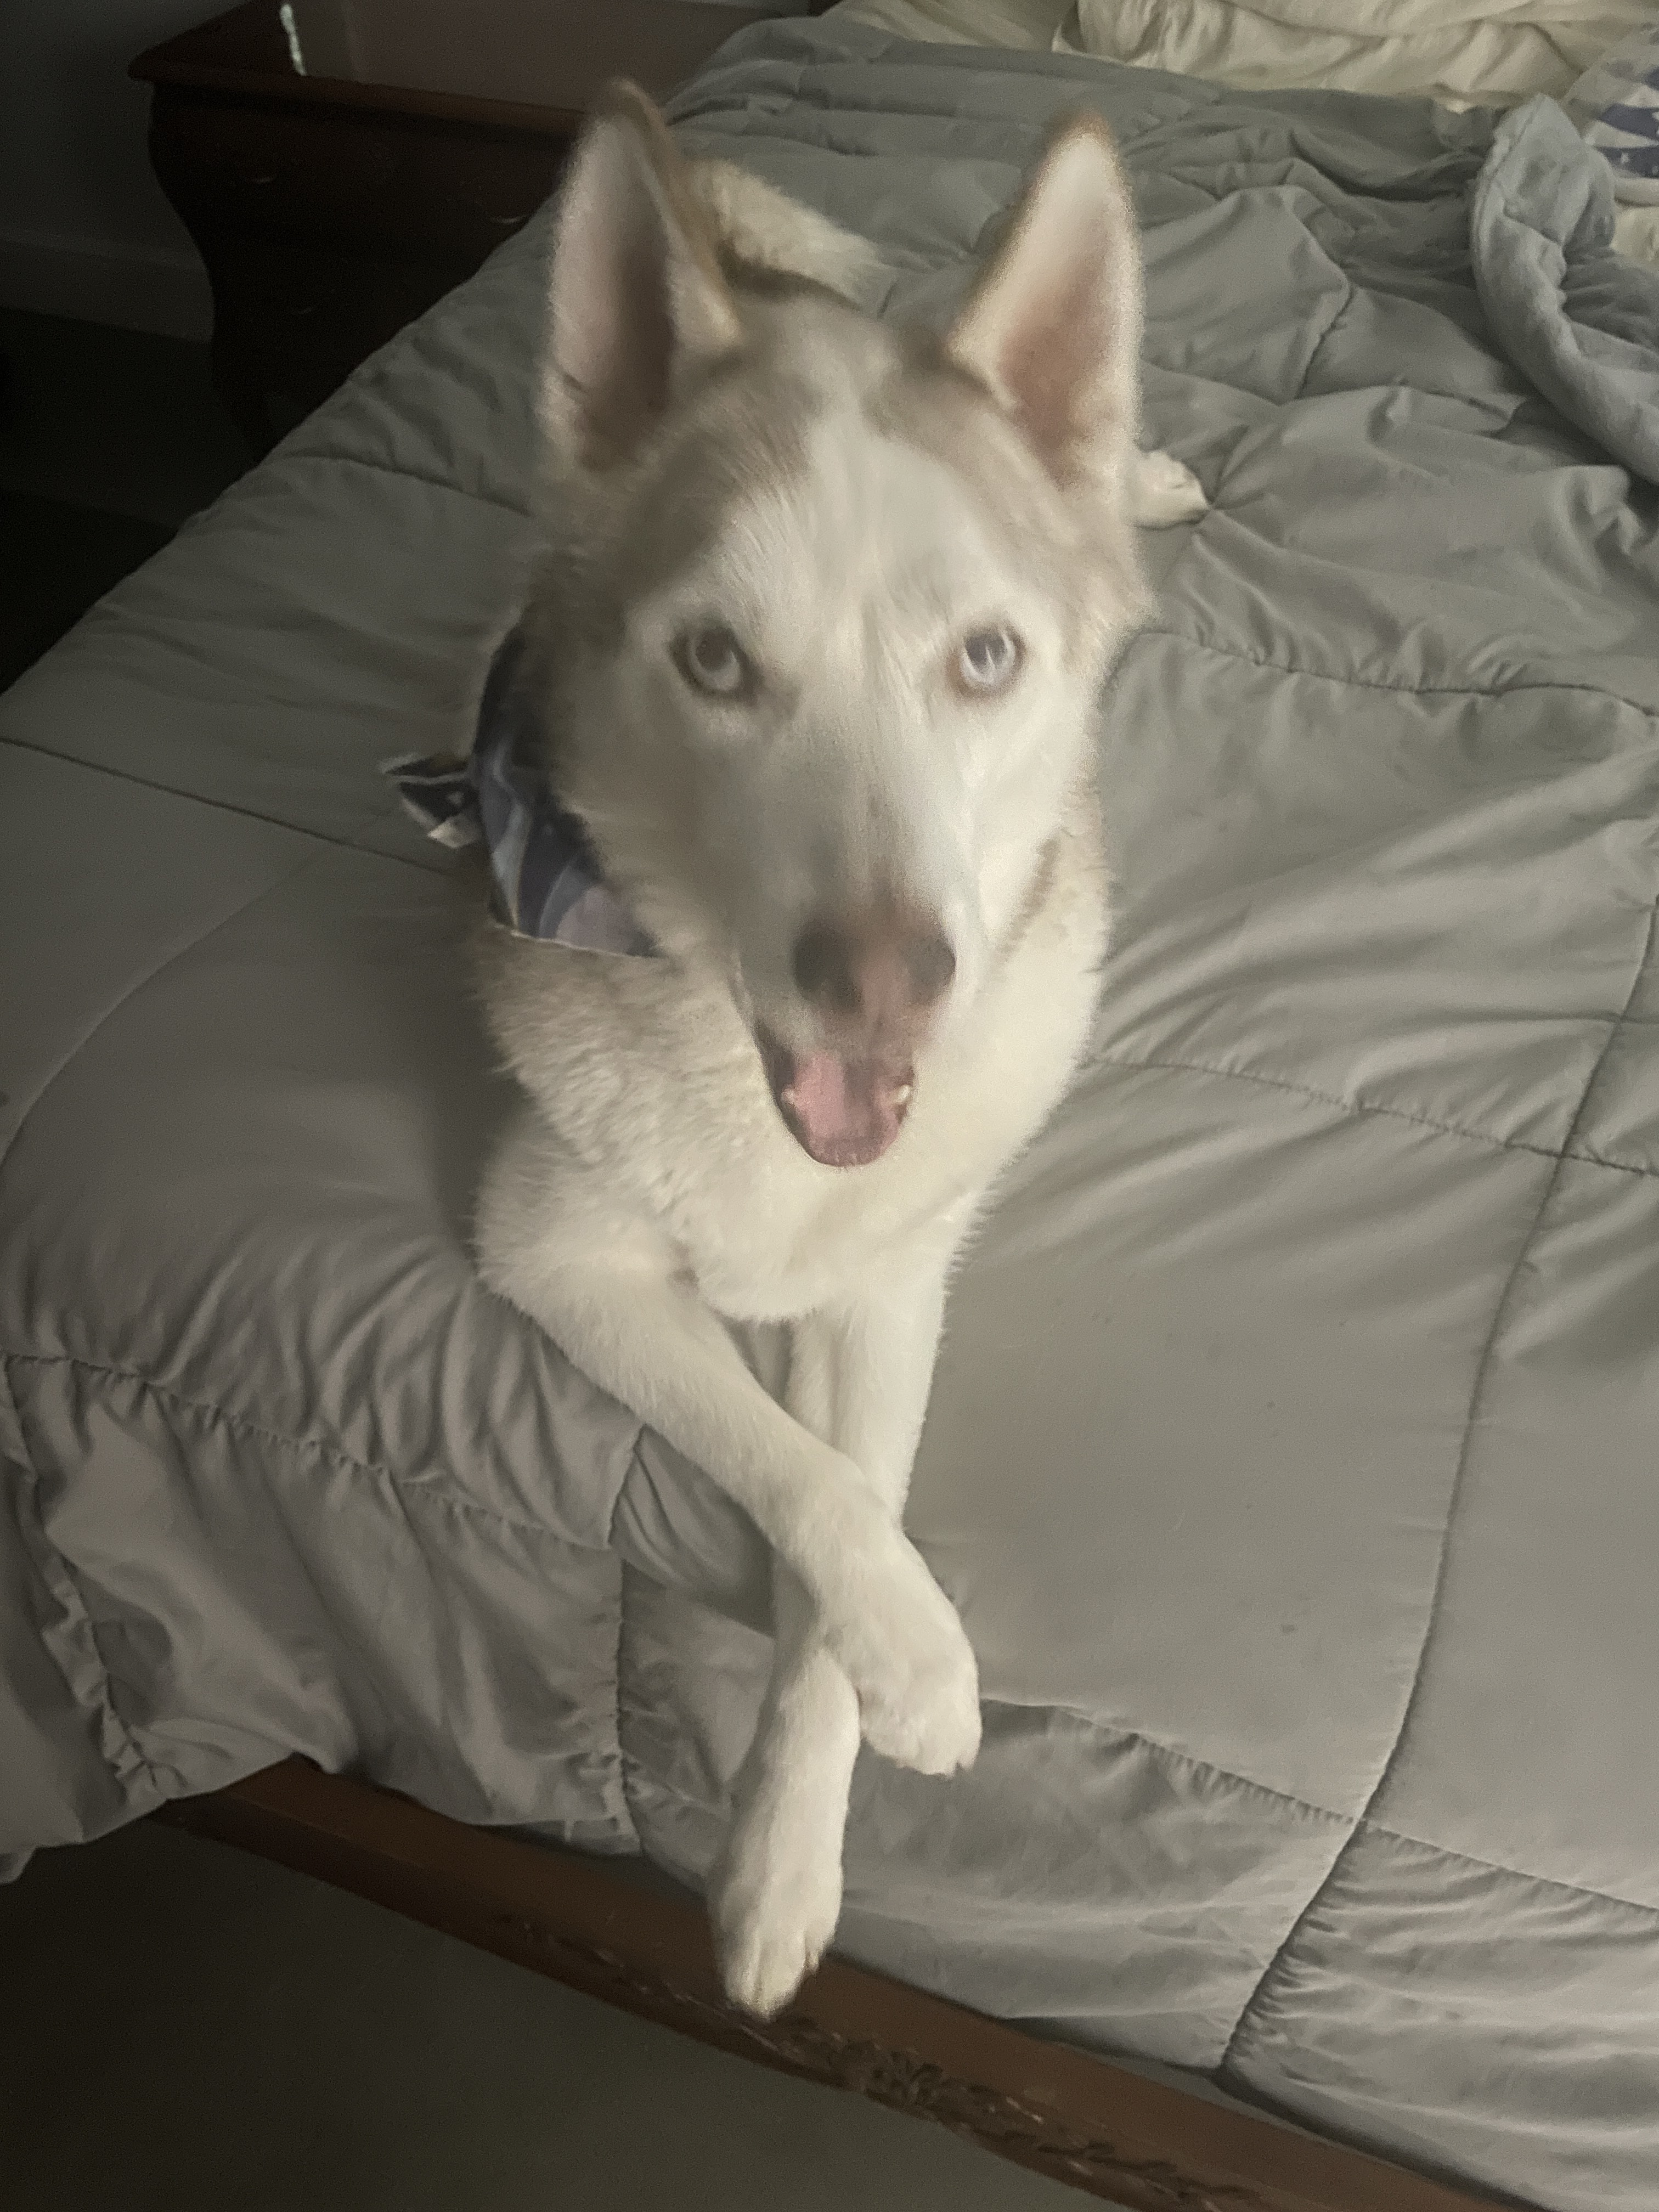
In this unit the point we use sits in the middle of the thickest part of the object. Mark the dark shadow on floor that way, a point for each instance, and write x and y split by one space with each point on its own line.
188 2029
122 421
108 439
55 560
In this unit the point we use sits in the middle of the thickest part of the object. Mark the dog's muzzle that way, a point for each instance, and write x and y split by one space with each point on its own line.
873 982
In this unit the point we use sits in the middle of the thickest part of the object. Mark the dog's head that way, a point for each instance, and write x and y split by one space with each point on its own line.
828 605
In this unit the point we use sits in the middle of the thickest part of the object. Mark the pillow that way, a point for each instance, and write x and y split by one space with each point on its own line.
1465 52
1023 24
1615 107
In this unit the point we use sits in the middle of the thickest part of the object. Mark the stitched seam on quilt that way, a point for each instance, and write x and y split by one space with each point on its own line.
133 990
1477 1392
109 1720
437 1483
1186 1758
228 806
1351 1823
632 1460
1341 309
11 1407
1363 1827
410 476
1375 683
1359 1107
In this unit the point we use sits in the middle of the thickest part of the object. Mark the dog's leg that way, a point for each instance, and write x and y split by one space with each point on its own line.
860 1378
774 1894
1162 490
603 1292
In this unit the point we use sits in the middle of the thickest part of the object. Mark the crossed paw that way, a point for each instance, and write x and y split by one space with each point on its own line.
775 1893
775 1898
900 1644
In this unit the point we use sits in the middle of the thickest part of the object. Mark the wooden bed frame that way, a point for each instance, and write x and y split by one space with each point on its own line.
1107 2132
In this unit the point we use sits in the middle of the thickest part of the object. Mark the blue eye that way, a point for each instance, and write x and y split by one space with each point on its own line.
711 661
988 661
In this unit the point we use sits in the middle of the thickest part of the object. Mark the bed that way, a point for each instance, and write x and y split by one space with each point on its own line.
1290 1457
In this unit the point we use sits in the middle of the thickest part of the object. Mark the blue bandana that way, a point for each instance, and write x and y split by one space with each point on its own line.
547 880
1615 105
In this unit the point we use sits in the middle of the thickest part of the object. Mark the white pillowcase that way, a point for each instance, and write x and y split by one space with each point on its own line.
1465 52
1026 24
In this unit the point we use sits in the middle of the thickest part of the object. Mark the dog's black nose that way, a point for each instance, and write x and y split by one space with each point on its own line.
875 968
825 967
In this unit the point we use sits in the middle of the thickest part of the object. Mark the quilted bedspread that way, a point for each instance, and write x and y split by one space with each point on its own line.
1293 1454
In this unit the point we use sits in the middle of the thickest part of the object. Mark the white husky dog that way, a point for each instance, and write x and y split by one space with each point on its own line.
819 640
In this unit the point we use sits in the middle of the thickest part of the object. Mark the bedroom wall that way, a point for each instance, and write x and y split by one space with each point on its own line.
84 229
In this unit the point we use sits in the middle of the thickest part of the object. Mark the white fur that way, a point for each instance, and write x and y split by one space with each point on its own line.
1163 490
648 1190
762 227
775 232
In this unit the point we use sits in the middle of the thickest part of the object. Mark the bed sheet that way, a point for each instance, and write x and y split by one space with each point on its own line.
1480 54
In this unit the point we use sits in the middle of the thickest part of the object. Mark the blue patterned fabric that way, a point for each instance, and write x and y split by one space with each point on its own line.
1616 108
547 882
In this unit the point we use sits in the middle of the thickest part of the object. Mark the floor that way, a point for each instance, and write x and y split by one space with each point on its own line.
186 2029
108 439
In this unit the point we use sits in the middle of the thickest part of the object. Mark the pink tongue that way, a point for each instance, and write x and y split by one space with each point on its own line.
843 1108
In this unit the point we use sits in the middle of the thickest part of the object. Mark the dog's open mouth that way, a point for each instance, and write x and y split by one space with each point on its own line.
845 1110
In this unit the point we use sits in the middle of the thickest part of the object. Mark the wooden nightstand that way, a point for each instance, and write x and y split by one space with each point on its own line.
341 164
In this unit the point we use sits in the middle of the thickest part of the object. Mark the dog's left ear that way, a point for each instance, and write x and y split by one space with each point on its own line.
1053 324
637 297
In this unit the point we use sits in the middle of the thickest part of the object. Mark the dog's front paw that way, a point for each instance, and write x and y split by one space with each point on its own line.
902 1647
933 1724
1163 490
774 1900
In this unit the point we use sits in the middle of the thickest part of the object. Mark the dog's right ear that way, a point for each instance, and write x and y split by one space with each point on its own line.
637 296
